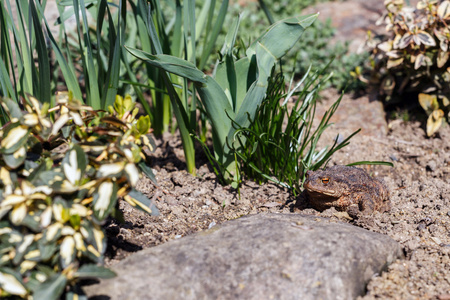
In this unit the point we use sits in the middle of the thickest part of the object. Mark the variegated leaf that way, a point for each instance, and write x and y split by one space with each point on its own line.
99 239
14 137
104 199
405 40
132 173
11 283
79 242
53 232
392 63
428 102
74 164
30 120
12 107
434 121
141 202
13 199
18 213
22 248
27 265
61 212
46 217
15 159
443 10
422 37
60 122
67 251
110 170
442 58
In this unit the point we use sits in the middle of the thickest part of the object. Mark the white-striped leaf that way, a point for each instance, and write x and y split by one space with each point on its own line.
74 164
63 119
422 37
141 202
53 232
104 199
15 159
132 173
67 251
18 214
13 200
30 120
444 10
22 248
435 121
11 283
14 137
110 170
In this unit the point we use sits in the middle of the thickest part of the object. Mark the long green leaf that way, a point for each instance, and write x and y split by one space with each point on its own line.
41 87
91 271
210 43
51 289
170 64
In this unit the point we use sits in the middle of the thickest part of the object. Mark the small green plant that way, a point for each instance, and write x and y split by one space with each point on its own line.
239 84
59 181
414 56
280 144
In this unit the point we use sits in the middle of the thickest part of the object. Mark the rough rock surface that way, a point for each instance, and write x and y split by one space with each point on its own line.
265 256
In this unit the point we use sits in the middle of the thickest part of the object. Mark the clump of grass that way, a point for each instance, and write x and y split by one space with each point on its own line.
280 145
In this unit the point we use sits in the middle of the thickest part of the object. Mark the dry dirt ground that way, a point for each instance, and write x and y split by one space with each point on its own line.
419 185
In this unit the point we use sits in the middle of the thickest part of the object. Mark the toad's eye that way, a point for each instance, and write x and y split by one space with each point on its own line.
325 180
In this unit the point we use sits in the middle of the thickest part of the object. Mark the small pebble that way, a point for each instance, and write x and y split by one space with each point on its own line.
211 225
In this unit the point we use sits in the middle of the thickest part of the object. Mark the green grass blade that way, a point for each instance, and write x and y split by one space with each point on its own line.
90 73
112 78
209 45
41 88
266 11
367 162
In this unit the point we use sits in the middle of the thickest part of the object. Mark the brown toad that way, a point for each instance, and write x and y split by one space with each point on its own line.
346 188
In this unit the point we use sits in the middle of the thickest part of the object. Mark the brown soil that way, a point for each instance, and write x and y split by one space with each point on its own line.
419 185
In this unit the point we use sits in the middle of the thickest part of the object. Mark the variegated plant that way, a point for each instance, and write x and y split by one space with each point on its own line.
414 56
59 181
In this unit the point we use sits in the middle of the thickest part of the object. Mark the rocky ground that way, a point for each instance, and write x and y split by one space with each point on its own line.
419 184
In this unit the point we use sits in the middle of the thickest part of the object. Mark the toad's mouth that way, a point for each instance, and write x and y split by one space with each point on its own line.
320 192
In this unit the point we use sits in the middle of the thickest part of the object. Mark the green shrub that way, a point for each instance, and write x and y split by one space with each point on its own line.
59 181
414 56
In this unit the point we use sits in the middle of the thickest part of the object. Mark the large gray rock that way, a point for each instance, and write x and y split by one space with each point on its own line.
265 256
